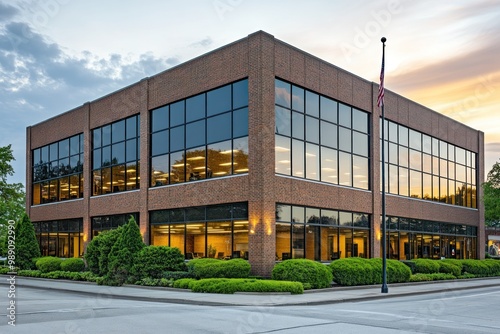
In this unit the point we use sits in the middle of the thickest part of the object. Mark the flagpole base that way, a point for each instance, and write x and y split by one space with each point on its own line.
385 288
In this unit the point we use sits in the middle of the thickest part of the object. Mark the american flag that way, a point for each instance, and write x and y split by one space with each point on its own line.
380 98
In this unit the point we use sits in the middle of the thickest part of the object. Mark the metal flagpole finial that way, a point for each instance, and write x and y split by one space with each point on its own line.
383 39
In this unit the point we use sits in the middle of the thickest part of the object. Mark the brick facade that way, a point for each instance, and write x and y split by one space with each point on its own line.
260 58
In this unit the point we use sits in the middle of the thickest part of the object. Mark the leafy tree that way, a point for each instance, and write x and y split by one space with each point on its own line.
123 253
12 197
491 197
26 244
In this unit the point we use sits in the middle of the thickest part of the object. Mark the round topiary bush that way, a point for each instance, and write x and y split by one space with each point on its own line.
426 266
48 264
153 261
354 271
73 264
305 271
214 268
397 272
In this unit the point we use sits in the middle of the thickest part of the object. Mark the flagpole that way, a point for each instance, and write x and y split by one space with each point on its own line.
380 102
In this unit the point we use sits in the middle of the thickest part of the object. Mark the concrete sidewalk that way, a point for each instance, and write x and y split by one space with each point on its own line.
316 297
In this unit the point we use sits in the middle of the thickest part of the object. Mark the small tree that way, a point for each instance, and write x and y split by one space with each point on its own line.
107 240
492 197
123 253
26 244
12 199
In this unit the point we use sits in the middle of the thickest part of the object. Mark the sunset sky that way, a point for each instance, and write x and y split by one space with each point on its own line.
56 55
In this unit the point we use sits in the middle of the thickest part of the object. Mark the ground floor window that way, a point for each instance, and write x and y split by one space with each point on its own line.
105 223
412 238
60 238
217 231
320 234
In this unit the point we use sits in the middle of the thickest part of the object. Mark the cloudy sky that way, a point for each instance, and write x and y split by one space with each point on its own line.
56 55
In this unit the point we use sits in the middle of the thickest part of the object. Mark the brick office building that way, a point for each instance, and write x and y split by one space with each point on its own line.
261 151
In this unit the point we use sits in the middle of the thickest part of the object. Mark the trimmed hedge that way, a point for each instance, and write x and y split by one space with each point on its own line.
183 283
359 271
313 274
214 268
73 264
154 282
153 261
476 267
229 286
450 268
48 264
426 266
397 272
431 277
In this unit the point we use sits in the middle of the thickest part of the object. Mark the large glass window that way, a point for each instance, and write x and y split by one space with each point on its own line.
321 139
58 171
320 234
106 223
115 156
412 238
217 231
202 137
421 166
60 238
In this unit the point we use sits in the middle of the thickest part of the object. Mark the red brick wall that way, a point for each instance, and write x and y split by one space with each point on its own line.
261 58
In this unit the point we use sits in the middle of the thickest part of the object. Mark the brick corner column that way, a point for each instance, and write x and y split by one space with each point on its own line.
261 206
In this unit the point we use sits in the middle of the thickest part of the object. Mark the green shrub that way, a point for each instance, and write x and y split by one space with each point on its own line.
175 275
86 276
154 282
397 272
353 271
27 247
214 268
359 271
493 265
4 270
59 274
455 262
123 253
183 283
107 240
305 271
475 267
153 261
229 286
466 276
411 265
92 254
426 266
48 264
449 268
29 273
431 277
73 264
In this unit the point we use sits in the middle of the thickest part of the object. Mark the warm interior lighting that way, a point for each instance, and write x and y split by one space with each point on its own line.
281 149
284 161
199 157
220 173
157 172
226 164
178 165
241 170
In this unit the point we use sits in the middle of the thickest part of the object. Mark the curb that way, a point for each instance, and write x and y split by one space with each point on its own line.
214 303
